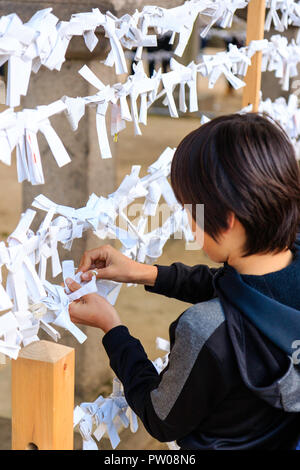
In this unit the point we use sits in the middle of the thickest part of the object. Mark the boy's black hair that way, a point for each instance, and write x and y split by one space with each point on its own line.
245 164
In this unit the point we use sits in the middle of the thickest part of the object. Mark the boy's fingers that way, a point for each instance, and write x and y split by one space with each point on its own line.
87 276
85 264
77 312
89 258
75 307
72 285
102 273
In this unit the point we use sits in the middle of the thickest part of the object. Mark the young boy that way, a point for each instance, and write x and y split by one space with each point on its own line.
232 381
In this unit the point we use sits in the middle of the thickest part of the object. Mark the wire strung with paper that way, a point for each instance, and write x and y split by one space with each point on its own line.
19 129
44 40
108 416
36 303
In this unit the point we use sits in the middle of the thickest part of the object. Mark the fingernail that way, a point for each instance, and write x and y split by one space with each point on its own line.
85 276
69 280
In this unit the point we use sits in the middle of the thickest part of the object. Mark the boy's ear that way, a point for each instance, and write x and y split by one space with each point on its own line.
230 221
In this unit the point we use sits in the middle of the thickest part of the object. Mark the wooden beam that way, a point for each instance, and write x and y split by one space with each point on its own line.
255 30
43 397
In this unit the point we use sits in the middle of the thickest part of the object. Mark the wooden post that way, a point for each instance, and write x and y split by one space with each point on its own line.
43 397
255 30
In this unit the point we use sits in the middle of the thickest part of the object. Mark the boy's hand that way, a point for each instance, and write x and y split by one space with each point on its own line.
92 310
113 265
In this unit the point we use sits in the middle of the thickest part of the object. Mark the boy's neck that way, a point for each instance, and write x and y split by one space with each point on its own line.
260 264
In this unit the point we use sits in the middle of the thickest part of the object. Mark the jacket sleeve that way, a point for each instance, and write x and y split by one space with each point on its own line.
187 283
175 402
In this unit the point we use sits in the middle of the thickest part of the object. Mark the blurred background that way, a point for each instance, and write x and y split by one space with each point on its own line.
146 315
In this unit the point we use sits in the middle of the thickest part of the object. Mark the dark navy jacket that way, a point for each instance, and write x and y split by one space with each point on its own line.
233 379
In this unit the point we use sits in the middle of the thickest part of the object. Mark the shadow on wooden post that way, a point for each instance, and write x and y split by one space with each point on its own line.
43 397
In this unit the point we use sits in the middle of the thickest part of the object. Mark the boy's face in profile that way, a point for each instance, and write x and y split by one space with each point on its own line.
210 247
218 251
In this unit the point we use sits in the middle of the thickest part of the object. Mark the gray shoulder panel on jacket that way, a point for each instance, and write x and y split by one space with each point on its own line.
194 328
289 389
